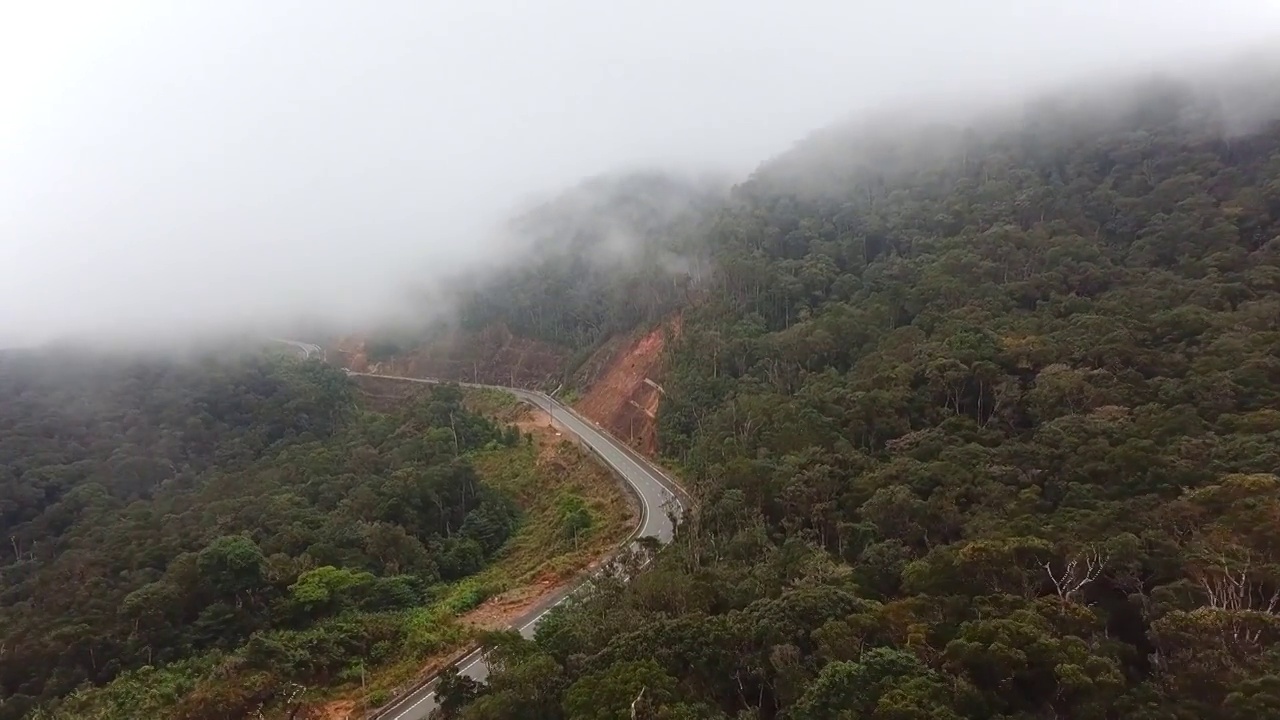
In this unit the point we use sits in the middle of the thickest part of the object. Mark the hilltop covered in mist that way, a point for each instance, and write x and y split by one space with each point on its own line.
607 255
622 251
980 405
342 163
982 414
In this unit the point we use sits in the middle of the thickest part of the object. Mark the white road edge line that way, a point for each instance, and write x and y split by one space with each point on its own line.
543 402
468 666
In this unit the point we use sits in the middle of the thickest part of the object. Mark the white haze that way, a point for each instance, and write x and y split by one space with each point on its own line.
177 167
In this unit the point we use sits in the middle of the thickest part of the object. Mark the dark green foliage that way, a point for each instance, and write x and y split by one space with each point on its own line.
155 510
985 423
455 691
574 517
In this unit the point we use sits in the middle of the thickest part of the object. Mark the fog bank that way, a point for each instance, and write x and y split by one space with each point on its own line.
212 165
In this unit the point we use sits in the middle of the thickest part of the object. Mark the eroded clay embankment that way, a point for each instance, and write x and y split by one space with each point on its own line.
624 386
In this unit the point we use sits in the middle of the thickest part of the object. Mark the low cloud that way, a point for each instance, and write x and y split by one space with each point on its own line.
197 167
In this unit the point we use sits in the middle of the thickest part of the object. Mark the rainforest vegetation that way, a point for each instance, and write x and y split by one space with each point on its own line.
984 420
982 417
238 518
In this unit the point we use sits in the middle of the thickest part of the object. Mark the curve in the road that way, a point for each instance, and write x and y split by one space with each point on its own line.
307 349
655 489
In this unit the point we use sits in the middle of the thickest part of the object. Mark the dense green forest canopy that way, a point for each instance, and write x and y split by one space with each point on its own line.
159 512
985 422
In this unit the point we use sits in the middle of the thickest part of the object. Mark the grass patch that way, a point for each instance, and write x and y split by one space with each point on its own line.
555 484
466 595
552 481
497 404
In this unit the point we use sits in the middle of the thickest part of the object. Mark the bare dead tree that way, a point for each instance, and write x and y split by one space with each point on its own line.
1230 588
295 690
1082 569
636 701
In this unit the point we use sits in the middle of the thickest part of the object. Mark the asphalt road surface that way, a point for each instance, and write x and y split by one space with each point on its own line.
654 489
650 484
307 349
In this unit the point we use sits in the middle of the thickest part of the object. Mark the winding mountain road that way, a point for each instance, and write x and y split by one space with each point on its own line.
656 491
307 349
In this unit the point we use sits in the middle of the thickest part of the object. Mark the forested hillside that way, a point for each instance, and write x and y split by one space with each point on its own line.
985 422
233 518
609 256
604 257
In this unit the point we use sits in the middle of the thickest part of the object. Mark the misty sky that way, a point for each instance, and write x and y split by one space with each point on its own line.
184 164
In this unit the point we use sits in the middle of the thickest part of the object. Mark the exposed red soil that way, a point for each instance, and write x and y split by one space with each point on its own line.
335 710
501 610
623 379
624 387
